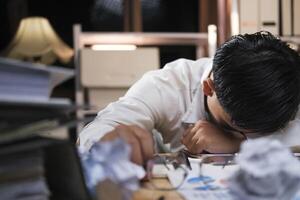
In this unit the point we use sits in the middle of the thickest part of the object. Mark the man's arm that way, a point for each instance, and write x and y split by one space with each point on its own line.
131 118
141 142
204 136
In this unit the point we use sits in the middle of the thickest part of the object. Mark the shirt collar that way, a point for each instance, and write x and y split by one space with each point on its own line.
196 110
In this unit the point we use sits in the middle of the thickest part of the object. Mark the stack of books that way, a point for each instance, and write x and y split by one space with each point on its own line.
38 160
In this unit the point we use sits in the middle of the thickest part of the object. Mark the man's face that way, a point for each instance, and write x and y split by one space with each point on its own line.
215 111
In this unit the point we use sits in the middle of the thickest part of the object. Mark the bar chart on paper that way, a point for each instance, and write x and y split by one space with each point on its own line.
211 184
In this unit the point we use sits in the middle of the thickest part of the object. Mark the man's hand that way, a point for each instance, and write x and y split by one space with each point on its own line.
206 136
140 140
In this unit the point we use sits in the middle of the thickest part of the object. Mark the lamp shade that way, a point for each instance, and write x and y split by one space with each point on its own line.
36 41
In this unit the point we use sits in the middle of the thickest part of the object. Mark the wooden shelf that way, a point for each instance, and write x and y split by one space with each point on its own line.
293 39
145 38
205 46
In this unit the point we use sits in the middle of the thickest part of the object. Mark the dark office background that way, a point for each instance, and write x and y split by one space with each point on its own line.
103 15
98 15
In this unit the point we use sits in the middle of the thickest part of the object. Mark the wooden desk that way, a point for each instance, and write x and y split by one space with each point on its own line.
146 192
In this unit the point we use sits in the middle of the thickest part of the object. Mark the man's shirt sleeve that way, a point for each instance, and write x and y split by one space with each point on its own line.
142 106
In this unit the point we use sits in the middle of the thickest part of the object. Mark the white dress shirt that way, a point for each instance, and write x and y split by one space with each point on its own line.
166 100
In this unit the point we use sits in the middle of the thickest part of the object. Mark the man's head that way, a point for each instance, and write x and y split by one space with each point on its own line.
255 83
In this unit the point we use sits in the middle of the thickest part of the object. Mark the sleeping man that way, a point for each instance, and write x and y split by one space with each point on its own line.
250 89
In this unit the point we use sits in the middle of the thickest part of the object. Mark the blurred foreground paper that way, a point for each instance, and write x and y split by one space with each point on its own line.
268 170
264 170
111 160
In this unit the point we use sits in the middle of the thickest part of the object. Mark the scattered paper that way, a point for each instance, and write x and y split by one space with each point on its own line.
111 160
211 185
268 170
265 170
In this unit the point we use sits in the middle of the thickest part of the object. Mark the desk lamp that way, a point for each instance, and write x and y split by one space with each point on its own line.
36 41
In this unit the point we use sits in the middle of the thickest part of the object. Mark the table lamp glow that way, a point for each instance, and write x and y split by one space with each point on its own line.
36 41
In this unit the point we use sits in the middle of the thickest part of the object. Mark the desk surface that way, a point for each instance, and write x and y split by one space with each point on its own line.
146 192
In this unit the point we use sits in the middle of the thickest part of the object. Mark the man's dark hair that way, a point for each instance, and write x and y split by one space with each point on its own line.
257 81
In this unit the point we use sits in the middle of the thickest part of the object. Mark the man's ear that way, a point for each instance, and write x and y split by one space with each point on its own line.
208 87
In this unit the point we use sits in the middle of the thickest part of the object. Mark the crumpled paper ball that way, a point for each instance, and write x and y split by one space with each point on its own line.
111 160
268 170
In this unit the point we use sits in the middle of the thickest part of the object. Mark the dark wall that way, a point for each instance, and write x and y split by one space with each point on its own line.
97 15
61 14
102 15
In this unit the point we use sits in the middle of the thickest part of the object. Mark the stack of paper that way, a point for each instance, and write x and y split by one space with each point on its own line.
38 159
25 90
24 80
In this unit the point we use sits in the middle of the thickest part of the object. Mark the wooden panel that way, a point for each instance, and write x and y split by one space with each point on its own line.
126 15
208 14
137 15
221 21
132 16
101 97
90 38
116 68
203 15
148 193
